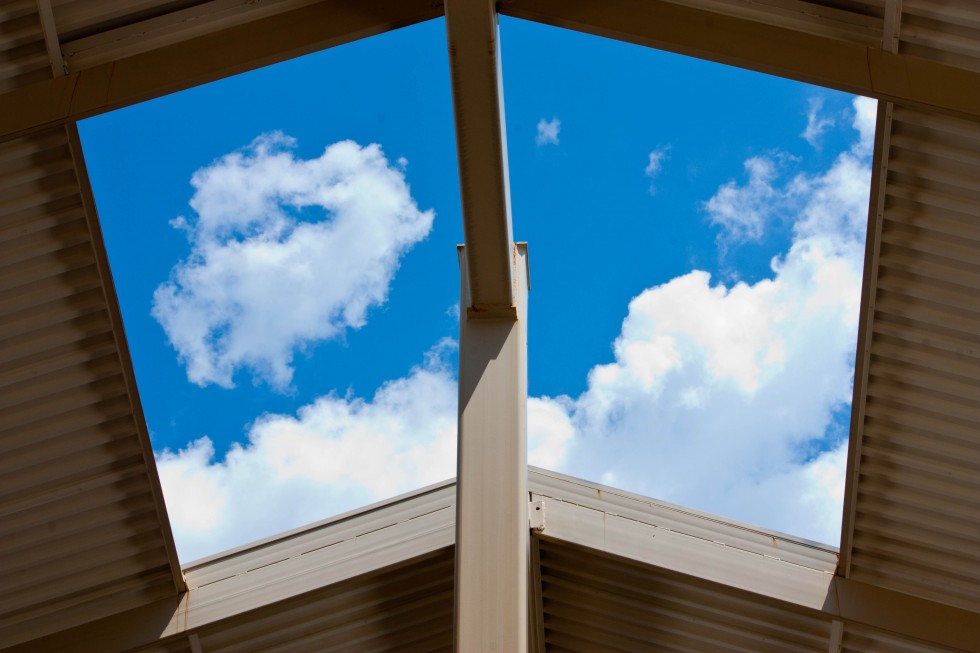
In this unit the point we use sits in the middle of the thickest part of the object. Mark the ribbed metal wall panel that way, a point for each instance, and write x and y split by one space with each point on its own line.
80 531
78 18
94 33
408 608
859 639
174 645
855 21
23 56
917 517
947 31
593 603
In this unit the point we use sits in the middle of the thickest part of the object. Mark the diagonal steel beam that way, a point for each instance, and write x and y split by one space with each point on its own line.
474 63
204 58
752 44
869 290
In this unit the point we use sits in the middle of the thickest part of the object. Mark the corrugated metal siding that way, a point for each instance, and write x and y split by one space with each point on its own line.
408 608
93 33
859 639
701 525
856 21
594 603
918 499
947 31
78 18
23 56
80 535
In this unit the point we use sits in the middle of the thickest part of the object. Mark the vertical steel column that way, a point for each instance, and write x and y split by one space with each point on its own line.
491 486
491 489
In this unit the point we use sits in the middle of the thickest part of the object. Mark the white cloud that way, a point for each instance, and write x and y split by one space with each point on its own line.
743 212
549 431
655 164
334 454
548 131
865 119
816 124
727 398
719 398
285 252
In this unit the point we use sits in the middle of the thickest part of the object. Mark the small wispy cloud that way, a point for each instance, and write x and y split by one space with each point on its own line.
684 411
548 131
655 164
816 124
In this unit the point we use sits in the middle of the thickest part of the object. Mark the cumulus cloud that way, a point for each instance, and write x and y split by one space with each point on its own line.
816 124
655 164
284 252
725 398
729 399
548 131
334 454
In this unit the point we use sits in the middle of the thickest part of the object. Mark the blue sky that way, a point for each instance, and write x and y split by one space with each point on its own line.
288 288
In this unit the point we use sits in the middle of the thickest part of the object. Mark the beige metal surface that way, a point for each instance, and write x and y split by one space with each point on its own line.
703 548
594 603
83 532
405 608
857 21
144 31
83 17
576 495
916 509
793 50
382 579
858 639
51 42
23 54
188 62
946 31
481 145
82 529
491 493
317 585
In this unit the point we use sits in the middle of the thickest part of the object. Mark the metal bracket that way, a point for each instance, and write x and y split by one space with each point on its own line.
535 515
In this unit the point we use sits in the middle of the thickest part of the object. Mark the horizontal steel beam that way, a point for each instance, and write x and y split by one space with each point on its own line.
862 365
170 28
737 556
122 348
202 59
751 44
246 581
268 573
